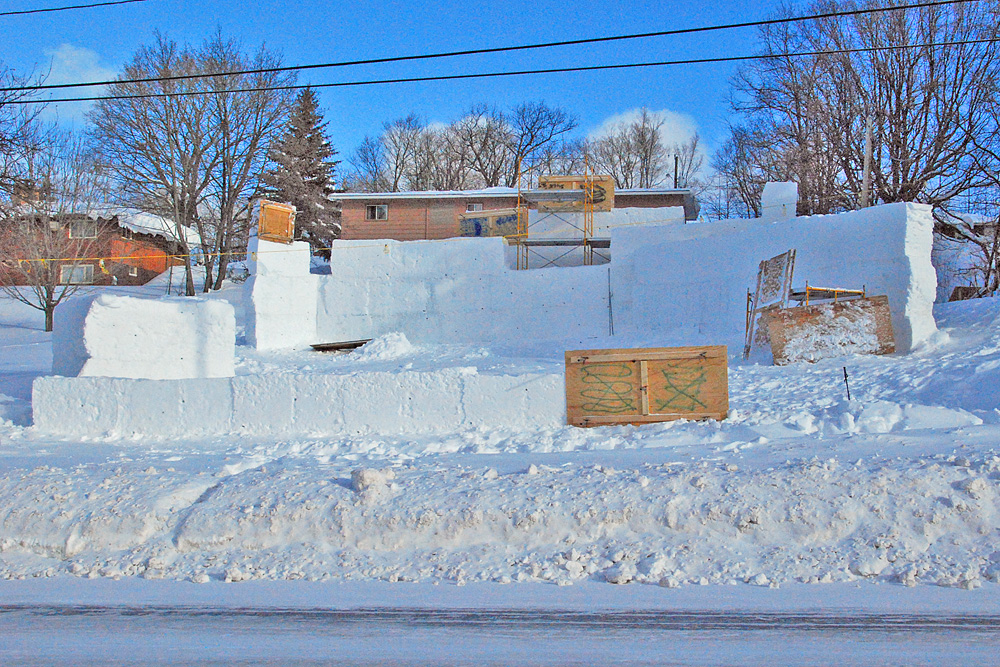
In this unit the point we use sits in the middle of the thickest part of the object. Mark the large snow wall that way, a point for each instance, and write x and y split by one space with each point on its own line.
297 404
689 282
127 337
455 290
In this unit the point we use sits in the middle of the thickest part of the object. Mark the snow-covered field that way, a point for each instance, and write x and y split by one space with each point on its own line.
899 485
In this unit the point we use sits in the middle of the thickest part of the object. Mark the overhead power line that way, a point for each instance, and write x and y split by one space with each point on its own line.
498 49
63 9
487 75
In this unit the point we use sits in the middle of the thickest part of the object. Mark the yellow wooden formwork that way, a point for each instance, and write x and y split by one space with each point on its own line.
275 221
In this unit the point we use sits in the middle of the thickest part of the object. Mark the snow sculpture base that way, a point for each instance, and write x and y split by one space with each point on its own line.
385 403
157 339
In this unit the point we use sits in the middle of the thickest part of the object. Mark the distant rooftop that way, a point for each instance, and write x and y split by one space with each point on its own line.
487 192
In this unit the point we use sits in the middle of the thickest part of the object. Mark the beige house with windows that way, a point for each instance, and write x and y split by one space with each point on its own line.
409 216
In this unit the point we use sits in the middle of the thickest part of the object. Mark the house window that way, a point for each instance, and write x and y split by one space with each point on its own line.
133 271
474 207
377 212
77 275
83 229
127 234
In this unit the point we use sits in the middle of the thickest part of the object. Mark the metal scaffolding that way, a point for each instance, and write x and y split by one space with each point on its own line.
574 208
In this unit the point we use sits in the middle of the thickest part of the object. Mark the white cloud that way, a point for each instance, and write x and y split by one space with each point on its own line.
70 64
677 127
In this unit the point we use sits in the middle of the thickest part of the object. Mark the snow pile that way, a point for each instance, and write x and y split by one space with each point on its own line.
899 485
389 347
281 302
128 337
688 283
928 519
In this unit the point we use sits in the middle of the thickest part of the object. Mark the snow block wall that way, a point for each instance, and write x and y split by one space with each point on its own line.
281 308
291 404
688 283
455 290
128 337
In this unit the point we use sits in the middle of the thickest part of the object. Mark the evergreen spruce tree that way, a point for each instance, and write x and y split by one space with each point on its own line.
303 173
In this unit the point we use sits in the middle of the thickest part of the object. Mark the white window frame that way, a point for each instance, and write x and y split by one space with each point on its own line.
474 207
91 229
133 271
377 212
67 274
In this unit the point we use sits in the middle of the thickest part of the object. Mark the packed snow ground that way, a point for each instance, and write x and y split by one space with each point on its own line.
900 484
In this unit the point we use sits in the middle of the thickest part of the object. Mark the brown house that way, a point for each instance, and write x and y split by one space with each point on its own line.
122 248
409 216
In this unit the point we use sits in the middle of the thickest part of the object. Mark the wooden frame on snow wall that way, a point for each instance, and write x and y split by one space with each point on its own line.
638 386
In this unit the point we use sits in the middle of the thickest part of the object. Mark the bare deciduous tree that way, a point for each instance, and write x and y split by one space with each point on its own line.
246 123
485 137
635 154
191 157
49 235
483 148
369 167
810 113
159 147
533 126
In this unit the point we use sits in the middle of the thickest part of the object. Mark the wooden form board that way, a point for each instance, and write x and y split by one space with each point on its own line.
811 333
774 284
497 222
275 222
637 386
604 192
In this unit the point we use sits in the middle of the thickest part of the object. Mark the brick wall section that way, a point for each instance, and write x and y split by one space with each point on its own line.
413 219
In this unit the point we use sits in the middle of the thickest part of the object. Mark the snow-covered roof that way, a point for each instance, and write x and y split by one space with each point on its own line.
142 222
487 192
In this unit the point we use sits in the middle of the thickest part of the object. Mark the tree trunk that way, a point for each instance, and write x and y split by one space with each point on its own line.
188 277
49 312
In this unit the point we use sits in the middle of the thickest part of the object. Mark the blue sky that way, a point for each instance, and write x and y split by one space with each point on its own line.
94 43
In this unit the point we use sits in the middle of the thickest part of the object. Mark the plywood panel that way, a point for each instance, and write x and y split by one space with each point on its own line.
633 386
820 331
276 222
604 192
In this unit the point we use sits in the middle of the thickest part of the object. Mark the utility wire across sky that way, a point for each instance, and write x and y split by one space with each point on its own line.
111 3
485 75
498 49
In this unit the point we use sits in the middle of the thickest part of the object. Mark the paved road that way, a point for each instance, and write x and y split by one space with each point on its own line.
85 635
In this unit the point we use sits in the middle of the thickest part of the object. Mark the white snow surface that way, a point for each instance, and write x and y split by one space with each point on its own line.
280 296
779 200
142 222
170 338
800 485
688 283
